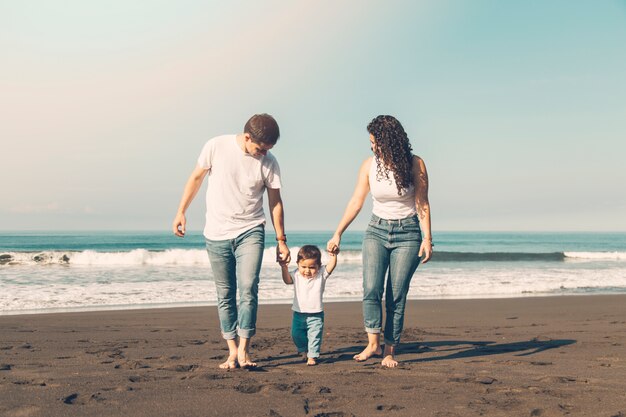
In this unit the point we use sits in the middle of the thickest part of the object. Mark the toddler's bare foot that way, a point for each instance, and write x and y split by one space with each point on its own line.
311 361
368 352
231 362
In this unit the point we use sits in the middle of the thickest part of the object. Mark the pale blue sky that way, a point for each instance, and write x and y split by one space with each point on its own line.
518 108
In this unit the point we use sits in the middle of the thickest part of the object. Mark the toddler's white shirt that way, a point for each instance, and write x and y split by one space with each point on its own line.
308 292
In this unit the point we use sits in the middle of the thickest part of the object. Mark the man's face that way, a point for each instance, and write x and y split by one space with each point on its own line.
256 148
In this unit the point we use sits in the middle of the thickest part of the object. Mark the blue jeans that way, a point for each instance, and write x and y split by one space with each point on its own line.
307 330
390 253
237 263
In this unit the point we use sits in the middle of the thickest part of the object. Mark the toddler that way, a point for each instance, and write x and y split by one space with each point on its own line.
308 281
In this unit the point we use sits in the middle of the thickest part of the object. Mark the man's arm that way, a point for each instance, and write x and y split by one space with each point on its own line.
278 220
191 189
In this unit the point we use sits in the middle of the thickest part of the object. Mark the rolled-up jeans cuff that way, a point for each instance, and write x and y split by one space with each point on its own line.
371 330
246 333
230 335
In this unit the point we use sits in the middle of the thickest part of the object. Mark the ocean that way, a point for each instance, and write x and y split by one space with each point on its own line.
42 272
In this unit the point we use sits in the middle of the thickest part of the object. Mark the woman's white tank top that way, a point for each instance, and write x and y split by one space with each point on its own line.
387 203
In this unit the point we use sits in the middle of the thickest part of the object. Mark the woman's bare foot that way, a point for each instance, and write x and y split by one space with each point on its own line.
244 361
388 359
243 357
368 352
231 362
389 362
311 361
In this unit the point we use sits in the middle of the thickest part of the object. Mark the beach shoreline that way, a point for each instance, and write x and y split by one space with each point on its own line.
543 356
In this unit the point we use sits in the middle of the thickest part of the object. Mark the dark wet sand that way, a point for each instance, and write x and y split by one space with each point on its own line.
550 356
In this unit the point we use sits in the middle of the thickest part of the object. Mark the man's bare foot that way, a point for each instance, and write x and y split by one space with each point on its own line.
388 359
231 362
368 352
311 361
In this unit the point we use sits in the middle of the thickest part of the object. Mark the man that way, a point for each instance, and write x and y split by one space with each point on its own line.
239 169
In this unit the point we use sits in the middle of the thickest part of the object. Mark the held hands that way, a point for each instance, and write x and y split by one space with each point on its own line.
178 226
283 256
426 251
333 245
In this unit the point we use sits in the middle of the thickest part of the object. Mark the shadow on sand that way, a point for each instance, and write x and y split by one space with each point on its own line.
451 349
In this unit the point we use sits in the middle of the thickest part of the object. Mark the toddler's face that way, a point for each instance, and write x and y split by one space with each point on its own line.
308 267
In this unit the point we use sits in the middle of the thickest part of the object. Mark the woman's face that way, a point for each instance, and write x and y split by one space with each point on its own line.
372 143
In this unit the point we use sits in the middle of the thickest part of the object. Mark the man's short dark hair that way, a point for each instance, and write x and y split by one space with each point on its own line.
262 128
310 252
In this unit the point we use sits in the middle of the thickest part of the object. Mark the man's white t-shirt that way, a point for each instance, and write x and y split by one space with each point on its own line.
308 292
236 183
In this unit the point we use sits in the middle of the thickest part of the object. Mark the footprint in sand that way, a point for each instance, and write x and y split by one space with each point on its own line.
5 367
182 368
70 399
132 365
248 387
392 407
559 379
97 397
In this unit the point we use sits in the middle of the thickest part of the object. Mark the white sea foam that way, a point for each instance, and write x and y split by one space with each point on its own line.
138 257
597 256
59 287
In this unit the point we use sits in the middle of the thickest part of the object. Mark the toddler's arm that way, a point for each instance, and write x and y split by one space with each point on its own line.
285 271
332 263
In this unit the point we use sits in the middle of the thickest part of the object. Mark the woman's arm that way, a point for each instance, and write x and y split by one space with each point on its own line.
354 205
420 179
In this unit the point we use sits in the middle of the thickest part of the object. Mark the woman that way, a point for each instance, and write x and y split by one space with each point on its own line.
393 243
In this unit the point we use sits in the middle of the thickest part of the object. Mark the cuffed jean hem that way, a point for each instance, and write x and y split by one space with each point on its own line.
230 335
373 331
246 333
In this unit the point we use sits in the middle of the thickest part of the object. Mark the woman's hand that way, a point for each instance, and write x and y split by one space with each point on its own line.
426 250
333 244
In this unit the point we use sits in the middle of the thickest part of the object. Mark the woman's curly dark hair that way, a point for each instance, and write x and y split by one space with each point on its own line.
393 149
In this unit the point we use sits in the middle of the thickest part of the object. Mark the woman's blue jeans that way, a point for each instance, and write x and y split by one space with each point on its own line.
390 258
236 263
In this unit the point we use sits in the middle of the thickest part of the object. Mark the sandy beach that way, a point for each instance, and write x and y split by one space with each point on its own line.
549 356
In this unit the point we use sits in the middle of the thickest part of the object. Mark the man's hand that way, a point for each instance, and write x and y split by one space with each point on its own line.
282 253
